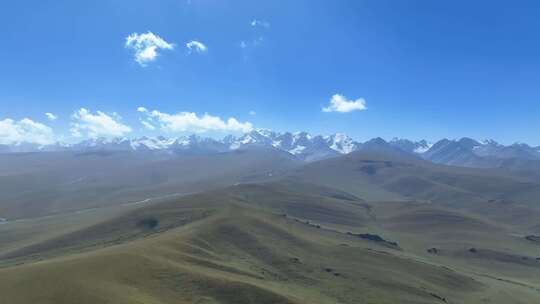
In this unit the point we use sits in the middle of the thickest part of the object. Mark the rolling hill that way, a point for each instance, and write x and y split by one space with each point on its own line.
378 176
361 228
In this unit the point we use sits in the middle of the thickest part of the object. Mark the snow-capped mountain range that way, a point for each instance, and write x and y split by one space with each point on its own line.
300 144
463 152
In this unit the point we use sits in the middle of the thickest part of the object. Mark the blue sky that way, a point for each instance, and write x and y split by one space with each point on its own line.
413 69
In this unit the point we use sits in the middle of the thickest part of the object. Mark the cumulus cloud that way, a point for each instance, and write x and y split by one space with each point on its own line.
148 125
25 130
51 116
260 23
146 46
85 123
196 46
191 122
339 103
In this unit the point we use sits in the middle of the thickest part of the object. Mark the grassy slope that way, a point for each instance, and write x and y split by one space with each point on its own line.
491 193
252 244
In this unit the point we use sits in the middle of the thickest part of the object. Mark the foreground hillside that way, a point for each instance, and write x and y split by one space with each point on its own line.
262 228
276 243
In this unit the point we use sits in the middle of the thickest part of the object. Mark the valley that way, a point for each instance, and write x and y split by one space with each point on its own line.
365 227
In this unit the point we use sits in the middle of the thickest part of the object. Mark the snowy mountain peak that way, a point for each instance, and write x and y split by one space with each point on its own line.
418 147
490 142
465 151
299 136
341 143
265 132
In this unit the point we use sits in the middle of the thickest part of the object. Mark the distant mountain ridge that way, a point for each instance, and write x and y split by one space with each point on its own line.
465 152
300 144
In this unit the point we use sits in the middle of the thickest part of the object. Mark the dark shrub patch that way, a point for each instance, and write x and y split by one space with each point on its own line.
533 238
436 296
433 250
295 260
374 238
149 223
371 237
369 170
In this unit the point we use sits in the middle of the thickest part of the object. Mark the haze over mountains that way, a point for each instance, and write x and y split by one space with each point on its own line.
256 224
465 152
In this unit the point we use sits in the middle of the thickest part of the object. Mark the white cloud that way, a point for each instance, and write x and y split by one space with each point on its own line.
25 130
261 23
51 116
196 46
252 113
146 46
191 122
97 125
148 125
339 103
142 109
